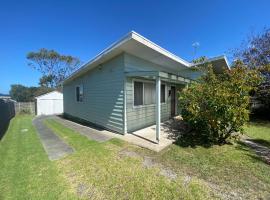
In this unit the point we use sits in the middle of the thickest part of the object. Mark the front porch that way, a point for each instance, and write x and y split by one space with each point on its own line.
155 135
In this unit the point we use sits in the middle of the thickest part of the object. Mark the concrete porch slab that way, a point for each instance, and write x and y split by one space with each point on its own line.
145 137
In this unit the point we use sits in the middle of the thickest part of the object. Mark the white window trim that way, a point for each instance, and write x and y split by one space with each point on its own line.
80 85
147 81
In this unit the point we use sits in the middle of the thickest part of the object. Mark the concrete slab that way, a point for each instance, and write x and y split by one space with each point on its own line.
145 138
89 132
53 145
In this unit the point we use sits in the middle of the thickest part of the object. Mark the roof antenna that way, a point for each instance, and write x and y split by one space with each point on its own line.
195 45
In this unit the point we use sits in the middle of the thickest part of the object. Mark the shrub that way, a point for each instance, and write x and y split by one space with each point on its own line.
25 111
217 105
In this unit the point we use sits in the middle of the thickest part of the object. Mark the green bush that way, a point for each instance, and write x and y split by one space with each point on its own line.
218 104
25 111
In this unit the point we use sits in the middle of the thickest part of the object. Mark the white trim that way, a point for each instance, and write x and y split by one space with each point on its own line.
48 93
213 59
147 81
131 35
79 85
125 108
158 48
158 110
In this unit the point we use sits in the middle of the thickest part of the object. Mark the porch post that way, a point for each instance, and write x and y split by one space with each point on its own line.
157 108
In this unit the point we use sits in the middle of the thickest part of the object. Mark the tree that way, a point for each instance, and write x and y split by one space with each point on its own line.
53 66
255 53
217 105
22 93
47 81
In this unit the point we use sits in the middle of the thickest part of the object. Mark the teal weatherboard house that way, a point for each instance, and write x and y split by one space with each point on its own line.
130 85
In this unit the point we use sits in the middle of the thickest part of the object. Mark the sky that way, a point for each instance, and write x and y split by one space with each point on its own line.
84 28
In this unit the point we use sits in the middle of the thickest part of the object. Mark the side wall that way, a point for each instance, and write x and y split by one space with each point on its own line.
143 116
103 95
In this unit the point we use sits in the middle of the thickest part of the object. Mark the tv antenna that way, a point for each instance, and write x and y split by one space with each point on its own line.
196 46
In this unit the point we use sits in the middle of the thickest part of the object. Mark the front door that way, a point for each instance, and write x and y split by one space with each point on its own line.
172 101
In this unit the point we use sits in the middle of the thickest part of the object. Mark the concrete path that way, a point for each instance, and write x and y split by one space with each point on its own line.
91 133
262 151
53 145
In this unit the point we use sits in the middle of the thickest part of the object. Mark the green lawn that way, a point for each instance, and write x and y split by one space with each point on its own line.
25 171
259 132
118 170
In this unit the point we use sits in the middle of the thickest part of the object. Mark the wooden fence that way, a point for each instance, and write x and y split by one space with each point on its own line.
25 108
7 111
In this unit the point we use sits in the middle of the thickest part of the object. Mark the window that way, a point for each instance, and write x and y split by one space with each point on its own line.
79 93
162 94
138 93
149 93
145 93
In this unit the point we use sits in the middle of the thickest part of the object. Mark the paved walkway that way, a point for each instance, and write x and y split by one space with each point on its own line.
91 133
262 151
144 138
53 145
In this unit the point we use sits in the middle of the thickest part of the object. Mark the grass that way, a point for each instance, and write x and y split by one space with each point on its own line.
101 170
98 168
259 132
26 172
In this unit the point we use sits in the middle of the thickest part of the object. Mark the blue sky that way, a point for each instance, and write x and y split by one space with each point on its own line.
84 28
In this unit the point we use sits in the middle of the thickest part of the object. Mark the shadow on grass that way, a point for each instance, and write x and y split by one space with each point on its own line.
3 129
251 152
261 142
181 132
193 140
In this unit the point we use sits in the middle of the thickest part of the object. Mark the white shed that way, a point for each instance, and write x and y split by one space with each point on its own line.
50 103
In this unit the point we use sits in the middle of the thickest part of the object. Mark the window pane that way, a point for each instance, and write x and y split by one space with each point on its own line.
81 93
162 95
149 93
138 93
77 93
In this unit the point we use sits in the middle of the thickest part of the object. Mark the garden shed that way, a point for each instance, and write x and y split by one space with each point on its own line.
50 103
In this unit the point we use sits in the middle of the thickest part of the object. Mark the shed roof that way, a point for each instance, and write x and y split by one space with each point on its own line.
135 44
51 95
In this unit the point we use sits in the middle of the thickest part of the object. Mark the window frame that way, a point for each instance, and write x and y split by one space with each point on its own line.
147 81
80 86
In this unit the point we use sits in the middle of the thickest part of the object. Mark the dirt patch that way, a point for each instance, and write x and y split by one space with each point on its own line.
128 153
148 162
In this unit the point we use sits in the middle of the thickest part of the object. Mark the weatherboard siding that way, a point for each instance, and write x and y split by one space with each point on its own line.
142 116
103 95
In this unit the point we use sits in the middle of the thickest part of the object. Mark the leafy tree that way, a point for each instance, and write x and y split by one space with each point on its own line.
19 93
22 93
47 81
217 105
53 66
255 53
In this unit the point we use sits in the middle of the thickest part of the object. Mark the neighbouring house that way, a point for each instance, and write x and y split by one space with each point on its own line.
132 84
49 104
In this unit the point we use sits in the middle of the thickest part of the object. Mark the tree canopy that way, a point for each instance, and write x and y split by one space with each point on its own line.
217 105
22 93
53 66
255 53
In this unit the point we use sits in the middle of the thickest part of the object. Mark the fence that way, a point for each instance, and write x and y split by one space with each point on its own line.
7 111
25 107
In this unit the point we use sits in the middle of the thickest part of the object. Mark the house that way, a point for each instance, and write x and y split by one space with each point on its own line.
117 88
50 103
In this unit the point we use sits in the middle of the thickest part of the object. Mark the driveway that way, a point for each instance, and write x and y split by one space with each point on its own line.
55 147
